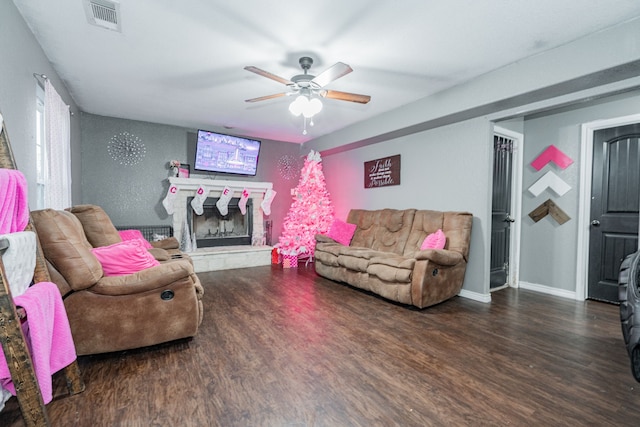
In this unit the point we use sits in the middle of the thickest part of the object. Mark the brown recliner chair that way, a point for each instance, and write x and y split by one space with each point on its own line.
113 313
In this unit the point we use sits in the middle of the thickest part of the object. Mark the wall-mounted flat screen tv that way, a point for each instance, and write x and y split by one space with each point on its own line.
216 152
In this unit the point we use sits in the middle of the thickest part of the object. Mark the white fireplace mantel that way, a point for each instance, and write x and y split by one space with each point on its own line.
187 187
216 186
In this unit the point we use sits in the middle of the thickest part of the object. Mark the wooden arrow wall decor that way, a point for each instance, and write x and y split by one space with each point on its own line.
549 208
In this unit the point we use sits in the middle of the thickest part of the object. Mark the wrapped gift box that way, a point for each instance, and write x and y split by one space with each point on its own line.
275 256
289 261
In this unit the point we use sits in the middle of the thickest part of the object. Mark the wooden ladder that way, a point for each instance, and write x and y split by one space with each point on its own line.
11 336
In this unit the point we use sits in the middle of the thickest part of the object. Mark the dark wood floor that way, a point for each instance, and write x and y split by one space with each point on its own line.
287 348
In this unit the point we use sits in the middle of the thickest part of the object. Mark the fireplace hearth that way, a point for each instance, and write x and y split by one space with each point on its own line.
213 229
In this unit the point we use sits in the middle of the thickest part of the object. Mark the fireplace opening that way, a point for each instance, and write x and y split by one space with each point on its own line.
214 229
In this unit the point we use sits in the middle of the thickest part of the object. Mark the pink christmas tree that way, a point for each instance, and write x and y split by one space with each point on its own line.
311 211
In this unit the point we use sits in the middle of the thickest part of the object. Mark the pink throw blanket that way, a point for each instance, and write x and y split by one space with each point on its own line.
48 336
14 210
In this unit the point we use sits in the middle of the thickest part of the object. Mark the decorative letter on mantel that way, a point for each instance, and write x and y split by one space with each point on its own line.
382 172
552 181
552 154
549 208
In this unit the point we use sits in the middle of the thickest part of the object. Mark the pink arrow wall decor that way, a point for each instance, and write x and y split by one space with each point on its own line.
551 154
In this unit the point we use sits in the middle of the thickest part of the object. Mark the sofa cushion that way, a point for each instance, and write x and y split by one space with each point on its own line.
332 248
390 274
384 230
357 258
353 263
326 258
66 247
391 268
394 261
124 258
341 232
97 225
435 240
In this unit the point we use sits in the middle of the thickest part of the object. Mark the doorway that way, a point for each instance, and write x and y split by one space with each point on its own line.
609 223
505 210
615 202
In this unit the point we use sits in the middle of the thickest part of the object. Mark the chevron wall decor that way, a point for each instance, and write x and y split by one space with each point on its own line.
552 154
549 208
552 181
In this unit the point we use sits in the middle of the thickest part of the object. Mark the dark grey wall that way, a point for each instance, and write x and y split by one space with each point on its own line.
21 57
133 194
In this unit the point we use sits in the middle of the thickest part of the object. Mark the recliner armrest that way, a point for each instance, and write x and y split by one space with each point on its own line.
168 243
439 256
323 238
146 280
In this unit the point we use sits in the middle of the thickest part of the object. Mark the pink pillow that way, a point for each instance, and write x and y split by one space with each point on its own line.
126 257
435 240
342 232
134 234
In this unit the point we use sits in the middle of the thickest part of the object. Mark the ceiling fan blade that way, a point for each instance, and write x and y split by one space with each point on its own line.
268 75
345 96
332 73
264 98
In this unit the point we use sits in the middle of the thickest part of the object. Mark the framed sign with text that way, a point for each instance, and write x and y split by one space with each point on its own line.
382 172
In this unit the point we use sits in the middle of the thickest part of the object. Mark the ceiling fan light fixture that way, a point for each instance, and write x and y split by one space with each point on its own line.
314 107
298 106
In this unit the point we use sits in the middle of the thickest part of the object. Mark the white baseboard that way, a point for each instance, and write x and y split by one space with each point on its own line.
486 298
548 290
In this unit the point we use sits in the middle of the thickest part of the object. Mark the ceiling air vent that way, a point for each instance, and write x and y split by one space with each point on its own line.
103 13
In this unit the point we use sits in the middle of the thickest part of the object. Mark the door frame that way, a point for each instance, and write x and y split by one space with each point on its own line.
513 278
584 200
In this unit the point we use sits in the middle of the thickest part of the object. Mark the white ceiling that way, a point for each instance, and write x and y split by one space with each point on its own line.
181 62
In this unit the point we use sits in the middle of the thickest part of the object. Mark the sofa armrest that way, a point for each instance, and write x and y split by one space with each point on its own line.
145 280
439 256
323 238
159 254
168 243
435 280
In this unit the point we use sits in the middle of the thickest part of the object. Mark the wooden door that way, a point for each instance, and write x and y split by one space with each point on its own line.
615 201
501 218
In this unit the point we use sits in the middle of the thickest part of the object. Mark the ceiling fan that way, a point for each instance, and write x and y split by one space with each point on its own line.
308 84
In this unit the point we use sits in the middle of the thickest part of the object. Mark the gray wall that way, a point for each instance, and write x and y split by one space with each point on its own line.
548 254
132 195
21 57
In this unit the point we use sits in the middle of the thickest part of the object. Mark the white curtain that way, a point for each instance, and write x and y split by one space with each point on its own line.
58 147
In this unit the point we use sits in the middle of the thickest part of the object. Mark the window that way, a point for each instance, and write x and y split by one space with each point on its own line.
53 154
41 153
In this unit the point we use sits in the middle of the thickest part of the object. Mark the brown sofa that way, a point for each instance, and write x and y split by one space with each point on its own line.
113 313
384 255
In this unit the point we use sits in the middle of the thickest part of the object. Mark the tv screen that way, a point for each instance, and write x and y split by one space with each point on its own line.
216 152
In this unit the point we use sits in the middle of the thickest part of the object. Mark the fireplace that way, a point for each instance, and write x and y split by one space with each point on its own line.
183 212
252 252
214 229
